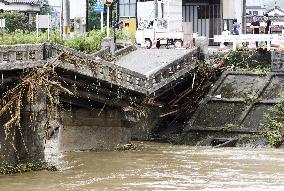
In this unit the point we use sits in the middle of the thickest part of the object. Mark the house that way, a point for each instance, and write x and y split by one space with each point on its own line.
255 10
28 7
276 15
205 17
276 11
55 17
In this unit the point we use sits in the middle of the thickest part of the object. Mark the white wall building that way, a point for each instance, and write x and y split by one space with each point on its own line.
276 11
29 7
255 10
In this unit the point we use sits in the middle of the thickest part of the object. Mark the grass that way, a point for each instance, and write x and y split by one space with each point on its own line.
89 42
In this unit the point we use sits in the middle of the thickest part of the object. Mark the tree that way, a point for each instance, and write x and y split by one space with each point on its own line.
16 21
45 8
94 19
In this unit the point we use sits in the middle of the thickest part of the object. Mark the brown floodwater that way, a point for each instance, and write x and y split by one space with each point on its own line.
158 166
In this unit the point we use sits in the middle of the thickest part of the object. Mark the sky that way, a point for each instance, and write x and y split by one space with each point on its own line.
54 2
268 3
76 7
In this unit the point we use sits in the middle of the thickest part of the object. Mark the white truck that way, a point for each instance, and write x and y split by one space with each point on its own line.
165 30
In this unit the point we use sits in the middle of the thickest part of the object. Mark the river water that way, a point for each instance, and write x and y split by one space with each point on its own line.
157 166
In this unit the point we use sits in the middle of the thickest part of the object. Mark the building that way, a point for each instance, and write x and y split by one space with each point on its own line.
28 7
55 17
77 15
276 11
255 10
276 15
205 17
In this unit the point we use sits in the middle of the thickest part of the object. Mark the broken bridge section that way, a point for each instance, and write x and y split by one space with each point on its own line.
101 89
238 102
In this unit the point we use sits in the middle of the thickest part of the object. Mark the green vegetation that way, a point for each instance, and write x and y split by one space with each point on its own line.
27 167
87 42
231 126
274 123
45 8
22 37
245 60
17 21
249 98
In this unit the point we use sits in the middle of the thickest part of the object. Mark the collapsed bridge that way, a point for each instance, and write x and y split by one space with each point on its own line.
93 94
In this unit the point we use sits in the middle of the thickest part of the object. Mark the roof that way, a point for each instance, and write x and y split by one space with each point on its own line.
35 2
275 8
254 7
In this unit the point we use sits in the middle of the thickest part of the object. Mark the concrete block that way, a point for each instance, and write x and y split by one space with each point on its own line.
109 43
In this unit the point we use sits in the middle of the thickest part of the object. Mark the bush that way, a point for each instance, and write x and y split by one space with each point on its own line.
274 124
88 42
17 21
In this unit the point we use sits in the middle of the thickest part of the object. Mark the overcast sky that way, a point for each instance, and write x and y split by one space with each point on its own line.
269 3
54 2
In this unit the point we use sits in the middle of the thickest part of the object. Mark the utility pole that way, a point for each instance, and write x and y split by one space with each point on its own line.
66 18
87 15
156 8
244 17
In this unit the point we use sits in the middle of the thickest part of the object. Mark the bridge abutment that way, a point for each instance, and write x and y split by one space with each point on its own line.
24 143
85 129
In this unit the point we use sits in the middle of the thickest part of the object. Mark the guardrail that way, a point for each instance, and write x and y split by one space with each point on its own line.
268 38
171 72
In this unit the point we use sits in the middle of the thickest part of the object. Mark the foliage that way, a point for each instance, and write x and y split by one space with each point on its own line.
274 123
121 34
27 167
17 21
45 8
231 126
87 42
22 37
249 98
245 60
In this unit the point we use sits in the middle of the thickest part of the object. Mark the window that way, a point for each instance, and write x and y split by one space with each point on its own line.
255 12
127 8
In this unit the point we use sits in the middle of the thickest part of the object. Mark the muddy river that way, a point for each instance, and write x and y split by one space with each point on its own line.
157 166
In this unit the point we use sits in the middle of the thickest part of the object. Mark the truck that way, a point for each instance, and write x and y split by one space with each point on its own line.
166 29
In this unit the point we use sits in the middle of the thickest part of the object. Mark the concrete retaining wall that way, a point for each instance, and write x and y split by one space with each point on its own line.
237 103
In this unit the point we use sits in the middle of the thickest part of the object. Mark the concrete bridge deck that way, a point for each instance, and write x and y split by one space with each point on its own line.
149 61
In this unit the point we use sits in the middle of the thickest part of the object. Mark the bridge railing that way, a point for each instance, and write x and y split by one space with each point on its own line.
21 53
92 66
171 72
